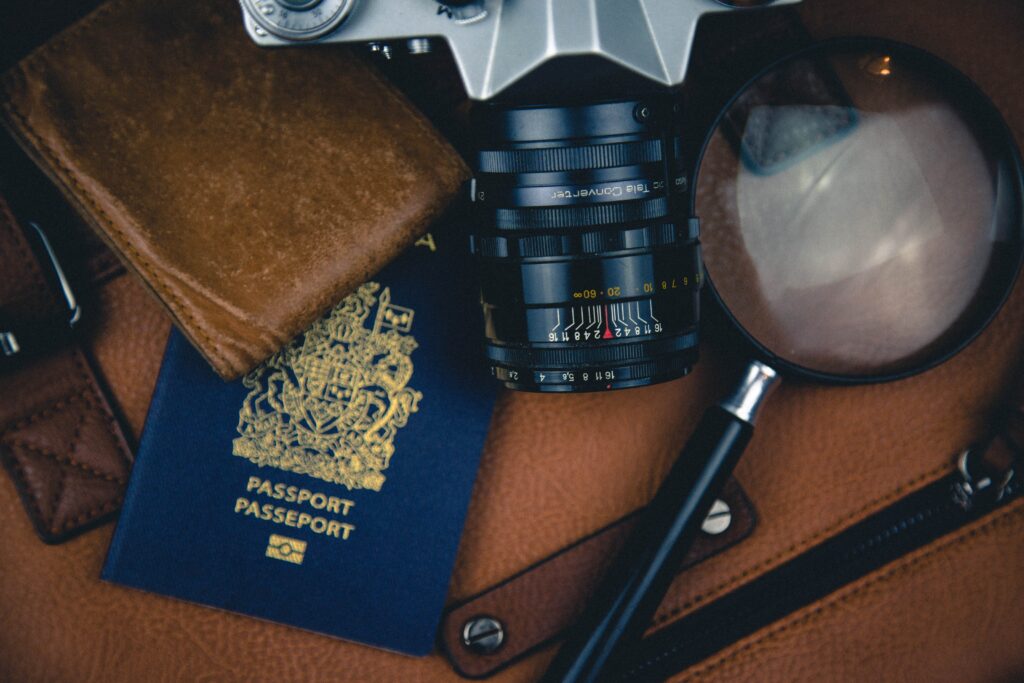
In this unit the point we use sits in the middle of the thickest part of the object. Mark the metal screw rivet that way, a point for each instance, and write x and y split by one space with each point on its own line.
419 46
641 113
380 49
483 635
718 520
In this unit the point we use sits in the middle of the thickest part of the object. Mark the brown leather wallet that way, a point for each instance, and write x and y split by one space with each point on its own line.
250 189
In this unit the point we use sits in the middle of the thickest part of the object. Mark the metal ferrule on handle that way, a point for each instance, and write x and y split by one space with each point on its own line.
751 393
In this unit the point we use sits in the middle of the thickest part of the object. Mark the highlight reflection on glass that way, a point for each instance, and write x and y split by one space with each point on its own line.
852 214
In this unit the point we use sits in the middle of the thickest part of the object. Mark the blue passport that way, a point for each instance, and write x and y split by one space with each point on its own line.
328 488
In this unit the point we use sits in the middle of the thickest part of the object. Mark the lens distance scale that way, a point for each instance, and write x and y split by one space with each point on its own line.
589 279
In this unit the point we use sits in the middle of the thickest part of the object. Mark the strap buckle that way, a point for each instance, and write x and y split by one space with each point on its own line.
11 340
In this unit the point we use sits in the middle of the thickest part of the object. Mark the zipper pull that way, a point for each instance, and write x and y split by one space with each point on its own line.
983 479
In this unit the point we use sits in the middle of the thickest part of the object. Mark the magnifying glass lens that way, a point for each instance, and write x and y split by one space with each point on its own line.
860 211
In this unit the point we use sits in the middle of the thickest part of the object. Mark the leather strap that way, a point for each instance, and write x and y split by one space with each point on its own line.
536 605
59 439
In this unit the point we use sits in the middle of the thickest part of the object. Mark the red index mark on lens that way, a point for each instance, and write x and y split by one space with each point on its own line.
607 330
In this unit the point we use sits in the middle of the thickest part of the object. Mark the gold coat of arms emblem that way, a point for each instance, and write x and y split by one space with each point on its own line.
330 403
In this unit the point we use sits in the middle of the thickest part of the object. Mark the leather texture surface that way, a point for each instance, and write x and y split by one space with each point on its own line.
902 622
557 468
1014 429
59 440
562 583
250 189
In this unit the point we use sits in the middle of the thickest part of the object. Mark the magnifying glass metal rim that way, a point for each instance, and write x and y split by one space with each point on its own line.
995 129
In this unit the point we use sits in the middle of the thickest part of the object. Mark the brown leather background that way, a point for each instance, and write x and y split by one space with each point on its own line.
559 467
562 583
250 189
948 612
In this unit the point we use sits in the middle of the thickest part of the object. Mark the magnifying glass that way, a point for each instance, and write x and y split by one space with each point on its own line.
861 221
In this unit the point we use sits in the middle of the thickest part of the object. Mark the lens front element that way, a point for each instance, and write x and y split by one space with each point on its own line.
588 280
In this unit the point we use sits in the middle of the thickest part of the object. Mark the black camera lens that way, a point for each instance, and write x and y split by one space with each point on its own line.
589 278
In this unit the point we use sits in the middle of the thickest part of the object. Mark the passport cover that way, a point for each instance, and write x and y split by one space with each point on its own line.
328 488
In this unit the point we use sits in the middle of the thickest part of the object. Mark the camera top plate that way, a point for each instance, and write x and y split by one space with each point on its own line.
496 43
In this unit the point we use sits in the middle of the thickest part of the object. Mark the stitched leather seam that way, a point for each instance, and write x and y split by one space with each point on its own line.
1001 518
91 514
62 478
92 400
793 550
22 484
158 283
55 501
54 407
88 395
113 430
66 460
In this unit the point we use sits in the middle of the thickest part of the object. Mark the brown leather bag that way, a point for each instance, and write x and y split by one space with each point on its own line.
557 469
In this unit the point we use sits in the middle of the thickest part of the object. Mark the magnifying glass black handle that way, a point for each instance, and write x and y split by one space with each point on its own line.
628 597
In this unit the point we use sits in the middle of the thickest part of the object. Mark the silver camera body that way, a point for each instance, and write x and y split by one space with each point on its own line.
497 42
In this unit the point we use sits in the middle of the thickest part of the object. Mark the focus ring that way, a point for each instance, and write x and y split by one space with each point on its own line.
554 159
664 234
617 353
584 379
576 216
590 274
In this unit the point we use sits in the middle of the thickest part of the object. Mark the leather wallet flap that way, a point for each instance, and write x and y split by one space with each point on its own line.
250 189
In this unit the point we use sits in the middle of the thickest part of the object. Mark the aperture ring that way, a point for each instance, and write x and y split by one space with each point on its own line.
554 159
536 356
646 237
577 216
591 379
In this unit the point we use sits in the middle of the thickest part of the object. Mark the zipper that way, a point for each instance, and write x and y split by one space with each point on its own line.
973 491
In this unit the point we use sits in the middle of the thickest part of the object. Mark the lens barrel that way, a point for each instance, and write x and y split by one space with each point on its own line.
589 281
